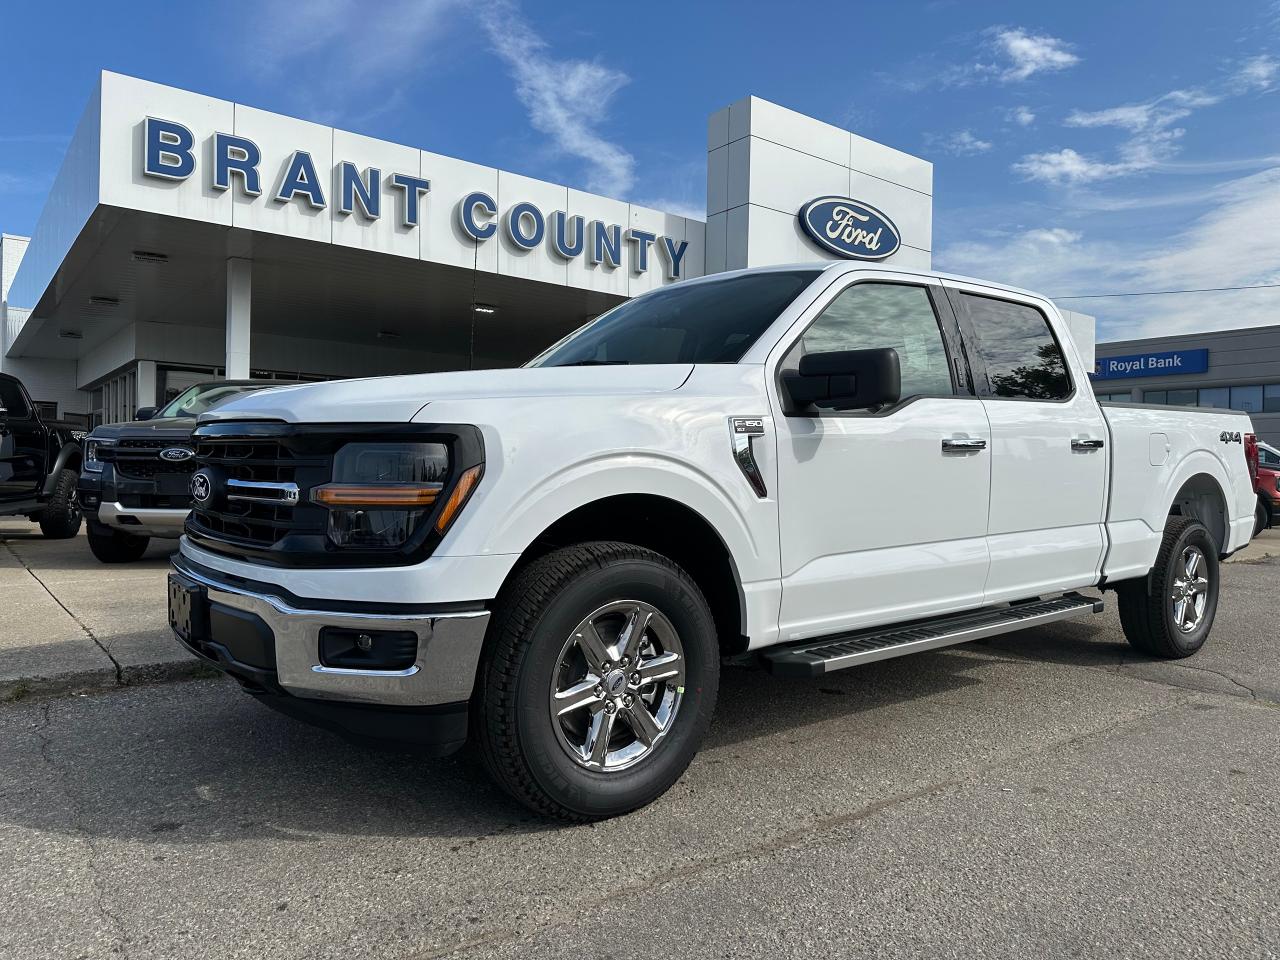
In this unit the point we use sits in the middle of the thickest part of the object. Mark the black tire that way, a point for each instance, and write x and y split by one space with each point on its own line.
534 617
1148 616
116 546
61 519
1261 517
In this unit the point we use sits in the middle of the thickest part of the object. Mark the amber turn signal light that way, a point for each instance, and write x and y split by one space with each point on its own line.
466 483
370 495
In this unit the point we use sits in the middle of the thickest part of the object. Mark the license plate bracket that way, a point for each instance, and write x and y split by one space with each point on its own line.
188 609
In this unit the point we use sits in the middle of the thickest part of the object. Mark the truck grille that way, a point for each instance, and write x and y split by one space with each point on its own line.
261 525
139 459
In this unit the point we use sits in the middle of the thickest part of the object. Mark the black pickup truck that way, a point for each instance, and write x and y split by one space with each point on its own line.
136 477
39 463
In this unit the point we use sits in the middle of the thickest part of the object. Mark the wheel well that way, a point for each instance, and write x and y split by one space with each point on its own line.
666 527
1201 497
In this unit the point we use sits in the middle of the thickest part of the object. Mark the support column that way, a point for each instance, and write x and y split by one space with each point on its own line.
146 386
239 296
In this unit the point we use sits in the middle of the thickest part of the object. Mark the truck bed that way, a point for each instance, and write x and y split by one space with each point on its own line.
1163 454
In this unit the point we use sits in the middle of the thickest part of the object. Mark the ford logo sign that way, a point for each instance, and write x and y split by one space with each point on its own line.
201 487
177 454
850 228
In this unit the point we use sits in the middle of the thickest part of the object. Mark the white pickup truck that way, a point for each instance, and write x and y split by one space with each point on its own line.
814 466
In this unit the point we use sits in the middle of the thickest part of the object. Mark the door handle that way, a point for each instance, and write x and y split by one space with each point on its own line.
963 444
1081 444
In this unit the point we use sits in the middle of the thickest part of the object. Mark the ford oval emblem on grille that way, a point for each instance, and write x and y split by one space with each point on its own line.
201 487
850 228
177 454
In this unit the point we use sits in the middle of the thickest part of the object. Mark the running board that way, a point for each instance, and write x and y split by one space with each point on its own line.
812 658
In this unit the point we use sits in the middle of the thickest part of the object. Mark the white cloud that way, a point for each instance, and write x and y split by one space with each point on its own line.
1028 53
1066 167
1257 74
566 99
1022 116
962 143
1232 243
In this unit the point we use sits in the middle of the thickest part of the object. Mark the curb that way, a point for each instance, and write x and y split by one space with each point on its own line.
25 689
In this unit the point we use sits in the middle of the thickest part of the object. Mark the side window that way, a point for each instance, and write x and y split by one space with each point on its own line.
11 400
872 315
1023 360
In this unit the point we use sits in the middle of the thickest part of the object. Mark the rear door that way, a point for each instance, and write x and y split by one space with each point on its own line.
1048 445
882 514
22 444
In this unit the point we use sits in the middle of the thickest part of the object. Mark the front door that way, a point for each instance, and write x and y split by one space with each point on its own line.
1048 446
22 447
882 513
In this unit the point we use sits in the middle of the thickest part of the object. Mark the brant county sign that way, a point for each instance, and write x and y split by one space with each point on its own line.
850 228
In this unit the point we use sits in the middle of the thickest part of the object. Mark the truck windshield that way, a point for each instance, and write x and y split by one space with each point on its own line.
205 396
712 321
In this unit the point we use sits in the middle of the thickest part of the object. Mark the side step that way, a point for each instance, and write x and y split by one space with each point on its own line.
812 658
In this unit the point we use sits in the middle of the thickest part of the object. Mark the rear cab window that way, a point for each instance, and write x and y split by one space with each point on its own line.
1014 341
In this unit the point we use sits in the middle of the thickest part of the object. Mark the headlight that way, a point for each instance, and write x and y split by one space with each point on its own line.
92 448
382 494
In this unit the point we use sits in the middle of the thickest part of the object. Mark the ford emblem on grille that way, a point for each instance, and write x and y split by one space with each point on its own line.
201 487
850 228
177 454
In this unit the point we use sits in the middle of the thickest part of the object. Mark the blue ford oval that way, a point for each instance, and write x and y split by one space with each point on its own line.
850 228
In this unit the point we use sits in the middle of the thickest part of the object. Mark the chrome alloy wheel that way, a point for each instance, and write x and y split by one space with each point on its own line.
1190 593
623 662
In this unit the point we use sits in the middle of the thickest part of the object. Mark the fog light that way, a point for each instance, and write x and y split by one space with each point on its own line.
368 649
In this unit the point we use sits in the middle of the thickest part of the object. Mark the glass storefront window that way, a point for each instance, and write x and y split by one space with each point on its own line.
1271 398
1248 399
1182 398
1215 397
1155 396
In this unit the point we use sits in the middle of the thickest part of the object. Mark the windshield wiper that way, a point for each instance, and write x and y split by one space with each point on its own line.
594 363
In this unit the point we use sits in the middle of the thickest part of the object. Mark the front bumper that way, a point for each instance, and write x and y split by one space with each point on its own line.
271 645
145 521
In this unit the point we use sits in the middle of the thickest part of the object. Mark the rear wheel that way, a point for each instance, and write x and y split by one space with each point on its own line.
598 682
116 546
61 519
1170 613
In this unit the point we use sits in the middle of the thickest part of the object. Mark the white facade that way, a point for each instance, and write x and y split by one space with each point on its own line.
190 234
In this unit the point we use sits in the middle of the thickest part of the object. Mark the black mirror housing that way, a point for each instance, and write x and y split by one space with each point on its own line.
845 380
144 413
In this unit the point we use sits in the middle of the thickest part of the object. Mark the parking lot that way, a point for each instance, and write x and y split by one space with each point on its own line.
1044 794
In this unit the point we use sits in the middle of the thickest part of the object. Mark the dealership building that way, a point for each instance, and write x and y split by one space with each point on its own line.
1236 369
187 237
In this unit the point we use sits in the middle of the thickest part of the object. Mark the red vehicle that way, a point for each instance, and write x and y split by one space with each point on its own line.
1267 484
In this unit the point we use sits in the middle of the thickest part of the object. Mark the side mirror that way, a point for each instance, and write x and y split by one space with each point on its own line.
844 380
144 413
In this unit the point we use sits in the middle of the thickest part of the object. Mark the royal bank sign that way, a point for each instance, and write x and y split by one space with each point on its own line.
237 163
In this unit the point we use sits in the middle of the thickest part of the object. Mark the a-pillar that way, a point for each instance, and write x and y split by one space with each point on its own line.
239 297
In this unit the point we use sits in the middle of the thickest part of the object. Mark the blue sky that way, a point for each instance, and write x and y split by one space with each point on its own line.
1079 148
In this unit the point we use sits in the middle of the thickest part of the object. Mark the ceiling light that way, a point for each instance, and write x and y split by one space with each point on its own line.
146 256
71 334
388 335
104 301
483 308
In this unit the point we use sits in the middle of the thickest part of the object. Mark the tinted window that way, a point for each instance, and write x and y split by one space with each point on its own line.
1215 397
1155 396
871 315
1023 359
1248 399
1267 458
11 399
705 322
1271 397
1182 398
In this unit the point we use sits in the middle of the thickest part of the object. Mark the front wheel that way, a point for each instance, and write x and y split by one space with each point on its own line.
1169 614
598 681
61 519
116 546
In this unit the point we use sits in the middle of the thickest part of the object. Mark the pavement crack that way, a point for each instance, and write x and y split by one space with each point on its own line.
91 861
1218 673
88 632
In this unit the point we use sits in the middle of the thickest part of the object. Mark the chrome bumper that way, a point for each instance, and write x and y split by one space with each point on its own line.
150 522
449 647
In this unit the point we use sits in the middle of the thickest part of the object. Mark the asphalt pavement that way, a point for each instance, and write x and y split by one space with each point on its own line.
1048 794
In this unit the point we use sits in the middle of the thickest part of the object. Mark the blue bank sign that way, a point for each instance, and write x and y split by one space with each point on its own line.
170 153
850 228
1151 364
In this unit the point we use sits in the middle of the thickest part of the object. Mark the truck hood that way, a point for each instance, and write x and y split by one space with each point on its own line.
162 428
399 399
